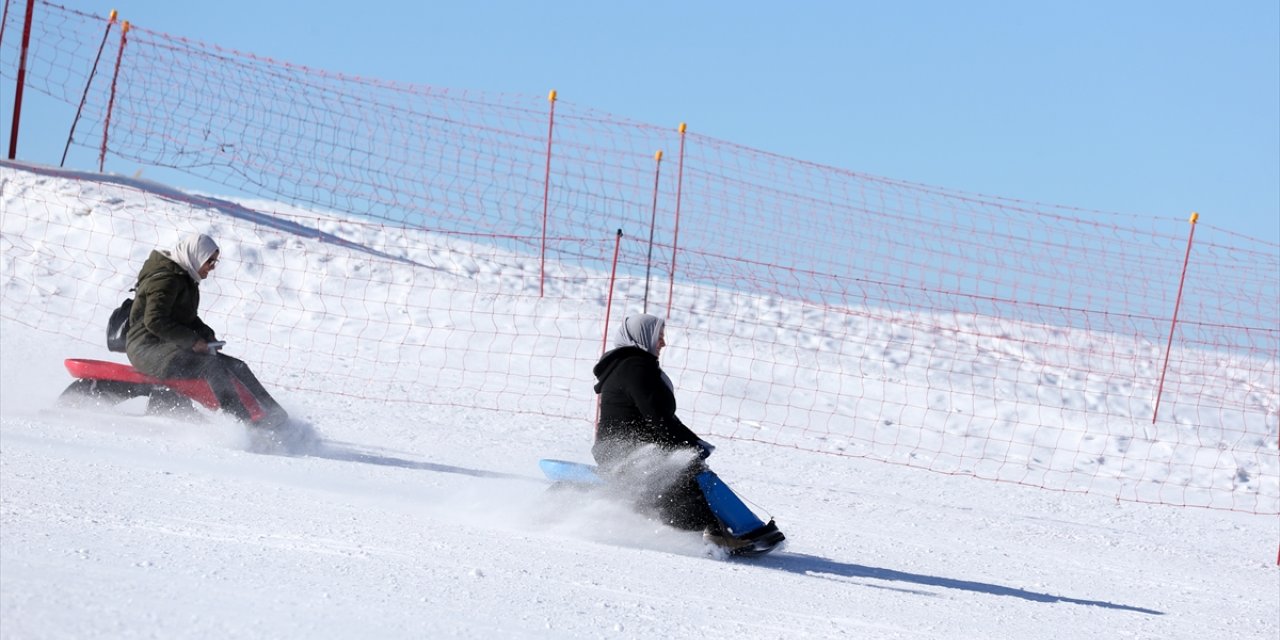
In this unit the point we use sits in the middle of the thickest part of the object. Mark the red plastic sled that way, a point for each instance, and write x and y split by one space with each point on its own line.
114 382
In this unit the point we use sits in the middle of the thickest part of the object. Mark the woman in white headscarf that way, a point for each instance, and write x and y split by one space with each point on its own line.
639 435
167 338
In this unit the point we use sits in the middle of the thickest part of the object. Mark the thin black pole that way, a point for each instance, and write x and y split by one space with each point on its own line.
93 72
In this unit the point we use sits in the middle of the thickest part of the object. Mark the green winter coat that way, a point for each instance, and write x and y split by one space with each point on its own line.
164 320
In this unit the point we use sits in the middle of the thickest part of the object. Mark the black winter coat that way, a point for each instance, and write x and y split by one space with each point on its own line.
636 406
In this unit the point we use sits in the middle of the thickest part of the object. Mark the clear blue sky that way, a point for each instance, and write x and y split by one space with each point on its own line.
1142 107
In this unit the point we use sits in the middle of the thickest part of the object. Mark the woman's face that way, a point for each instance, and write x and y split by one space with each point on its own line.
208 265
662 340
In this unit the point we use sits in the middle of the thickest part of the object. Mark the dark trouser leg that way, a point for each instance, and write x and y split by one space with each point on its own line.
240 371
212 370
646 476
166 401
683 504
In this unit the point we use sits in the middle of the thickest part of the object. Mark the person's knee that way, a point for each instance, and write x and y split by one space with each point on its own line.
238 368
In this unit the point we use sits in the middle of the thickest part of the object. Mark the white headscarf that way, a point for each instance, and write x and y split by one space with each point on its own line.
192 252
640 330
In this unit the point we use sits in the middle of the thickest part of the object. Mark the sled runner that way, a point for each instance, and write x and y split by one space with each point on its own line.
113 383
743 533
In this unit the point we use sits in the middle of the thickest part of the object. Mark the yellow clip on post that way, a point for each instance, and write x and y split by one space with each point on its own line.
1195 217
658 156
112 18
552 96
683 126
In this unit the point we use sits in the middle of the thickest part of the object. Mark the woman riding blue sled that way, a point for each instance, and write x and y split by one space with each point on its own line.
642 447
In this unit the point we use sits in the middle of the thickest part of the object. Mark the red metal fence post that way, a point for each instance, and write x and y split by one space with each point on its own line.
22 79
1195 217
653 222
111 102
546 192
675 238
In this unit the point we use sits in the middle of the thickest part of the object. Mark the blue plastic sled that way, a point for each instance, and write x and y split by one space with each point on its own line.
728 507
571 472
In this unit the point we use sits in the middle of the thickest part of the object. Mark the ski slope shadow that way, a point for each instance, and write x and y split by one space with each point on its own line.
224 207
299 439
347 452
823 568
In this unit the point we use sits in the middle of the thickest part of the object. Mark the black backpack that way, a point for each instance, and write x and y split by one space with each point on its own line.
118 323
118 326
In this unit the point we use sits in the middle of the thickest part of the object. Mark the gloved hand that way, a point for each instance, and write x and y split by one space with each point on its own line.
704 448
